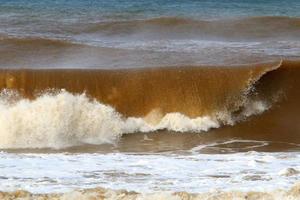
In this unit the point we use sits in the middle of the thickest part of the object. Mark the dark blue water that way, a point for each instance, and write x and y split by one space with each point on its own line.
124 9
49 15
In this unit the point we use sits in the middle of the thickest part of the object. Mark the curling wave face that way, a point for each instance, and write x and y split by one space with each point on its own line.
183 99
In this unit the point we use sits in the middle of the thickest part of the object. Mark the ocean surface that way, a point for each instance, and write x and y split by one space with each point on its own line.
167 99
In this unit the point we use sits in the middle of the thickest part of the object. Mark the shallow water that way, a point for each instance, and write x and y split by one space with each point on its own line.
147 172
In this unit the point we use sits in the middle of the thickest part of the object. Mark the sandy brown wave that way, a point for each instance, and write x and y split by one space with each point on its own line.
238 92
277 128
193 91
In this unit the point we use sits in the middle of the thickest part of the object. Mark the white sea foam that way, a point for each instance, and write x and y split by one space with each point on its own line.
63 119
148 173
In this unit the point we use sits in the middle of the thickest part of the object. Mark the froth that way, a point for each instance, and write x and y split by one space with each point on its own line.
57 121
101 193
63 119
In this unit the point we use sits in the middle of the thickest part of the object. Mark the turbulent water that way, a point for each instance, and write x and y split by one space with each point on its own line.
183 99
168 99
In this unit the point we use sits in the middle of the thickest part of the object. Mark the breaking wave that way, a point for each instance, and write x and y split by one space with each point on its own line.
59 108
65 120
